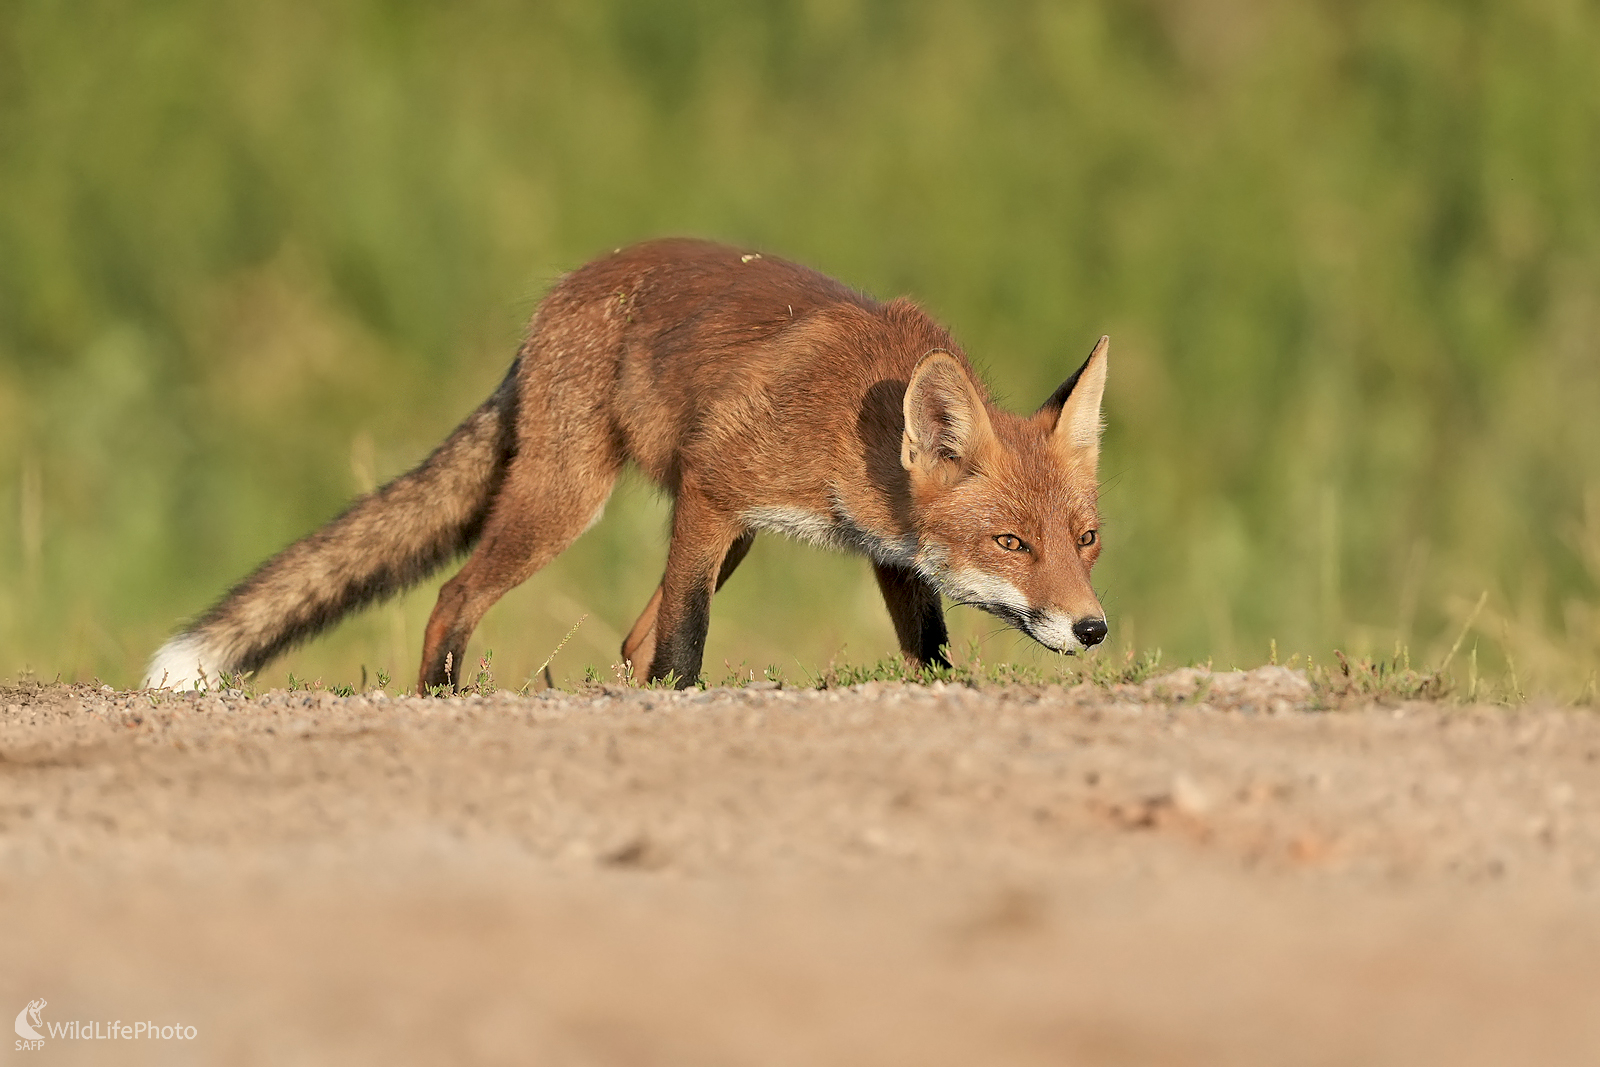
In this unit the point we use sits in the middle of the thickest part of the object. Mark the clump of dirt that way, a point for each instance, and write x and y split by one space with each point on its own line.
1201 868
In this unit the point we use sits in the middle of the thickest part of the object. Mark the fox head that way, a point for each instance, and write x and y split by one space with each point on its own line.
1005 506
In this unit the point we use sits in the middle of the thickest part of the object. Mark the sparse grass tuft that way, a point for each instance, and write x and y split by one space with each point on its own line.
1391 679
1096 669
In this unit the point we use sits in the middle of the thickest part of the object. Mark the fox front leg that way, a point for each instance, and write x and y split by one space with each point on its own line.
702 540
639 648
917 615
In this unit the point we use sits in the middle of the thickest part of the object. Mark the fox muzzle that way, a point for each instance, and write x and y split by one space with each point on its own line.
1060 632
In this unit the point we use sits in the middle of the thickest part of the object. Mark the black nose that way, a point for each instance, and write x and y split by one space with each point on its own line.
1090 631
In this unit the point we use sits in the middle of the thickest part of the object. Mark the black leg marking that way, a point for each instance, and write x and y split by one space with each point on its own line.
917 614
681 651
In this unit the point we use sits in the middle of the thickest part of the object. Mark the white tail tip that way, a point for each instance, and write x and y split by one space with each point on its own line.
182 664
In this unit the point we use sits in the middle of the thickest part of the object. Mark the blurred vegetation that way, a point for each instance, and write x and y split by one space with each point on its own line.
255 257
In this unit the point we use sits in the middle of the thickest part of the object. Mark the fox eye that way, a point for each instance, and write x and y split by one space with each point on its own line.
1088 538
1011 543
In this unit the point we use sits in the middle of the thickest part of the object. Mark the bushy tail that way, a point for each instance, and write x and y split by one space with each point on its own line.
385 542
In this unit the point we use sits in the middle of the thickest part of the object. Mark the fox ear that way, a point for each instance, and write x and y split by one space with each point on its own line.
1072 414
946 424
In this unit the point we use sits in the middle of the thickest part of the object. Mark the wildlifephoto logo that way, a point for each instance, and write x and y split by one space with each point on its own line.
33 1030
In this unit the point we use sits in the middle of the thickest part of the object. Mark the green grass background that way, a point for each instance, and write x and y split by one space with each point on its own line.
255 256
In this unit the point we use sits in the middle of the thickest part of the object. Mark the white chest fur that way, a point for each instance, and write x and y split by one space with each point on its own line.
837 531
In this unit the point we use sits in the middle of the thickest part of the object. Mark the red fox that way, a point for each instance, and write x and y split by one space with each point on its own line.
761 396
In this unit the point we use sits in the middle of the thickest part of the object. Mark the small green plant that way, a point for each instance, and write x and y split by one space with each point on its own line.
483 683
669 681
240 682
738 676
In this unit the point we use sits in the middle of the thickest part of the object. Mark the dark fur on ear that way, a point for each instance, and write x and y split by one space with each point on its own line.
1058 399
1072 414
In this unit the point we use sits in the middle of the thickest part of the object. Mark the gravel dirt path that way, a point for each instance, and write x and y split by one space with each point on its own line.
1198 870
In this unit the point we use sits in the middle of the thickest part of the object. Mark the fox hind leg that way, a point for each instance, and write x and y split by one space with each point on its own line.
541 508
917 614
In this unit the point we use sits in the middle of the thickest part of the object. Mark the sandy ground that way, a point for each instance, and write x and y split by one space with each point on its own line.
885 875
